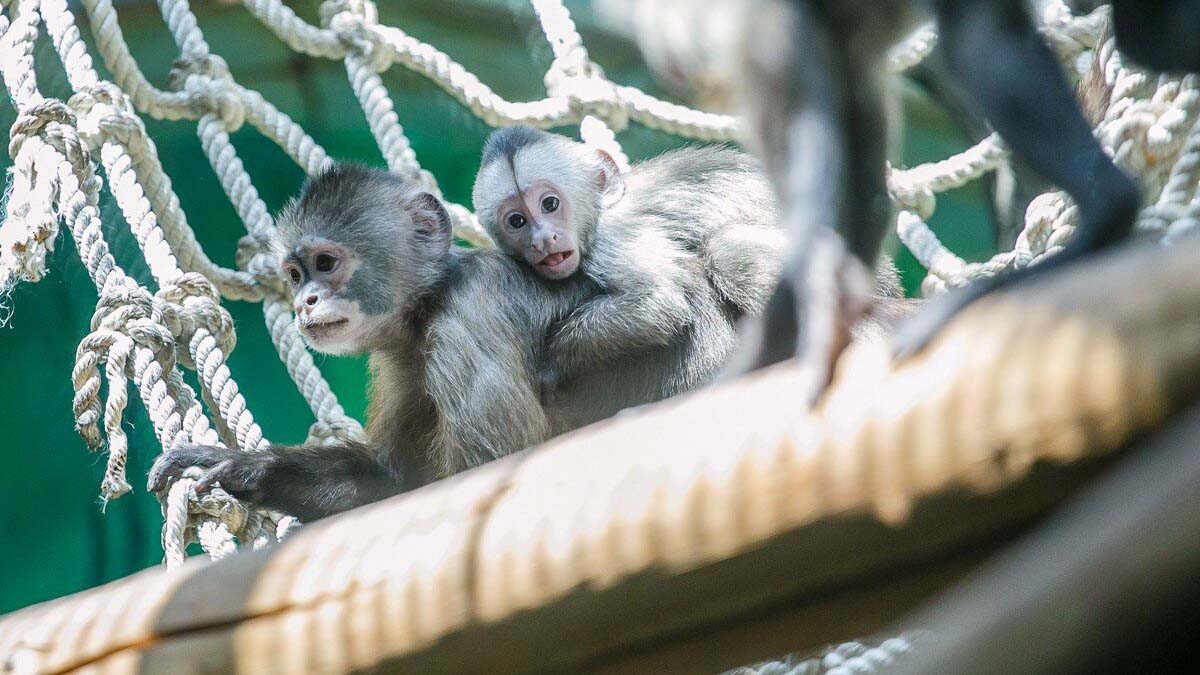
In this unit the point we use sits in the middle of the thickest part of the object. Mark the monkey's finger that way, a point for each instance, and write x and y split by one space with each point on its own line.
218 473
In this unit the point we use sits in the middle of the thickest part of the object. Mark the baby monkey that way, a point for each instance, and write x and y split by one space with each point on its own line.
679 247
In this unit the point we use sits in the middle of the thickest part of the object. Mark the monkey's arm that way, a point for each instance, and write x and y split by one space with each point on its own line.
307 481
611 324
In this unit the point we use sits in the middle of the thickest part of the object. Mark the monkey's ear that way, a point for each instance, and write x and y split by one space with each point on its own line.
612 183
431 220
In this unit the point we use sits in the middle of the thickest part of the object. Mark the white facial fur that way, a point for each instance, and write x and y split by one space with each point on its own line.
339 327
328 321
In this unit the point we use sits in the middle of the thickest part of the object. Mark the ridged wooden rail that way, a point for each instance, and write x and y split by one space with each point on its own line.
694 535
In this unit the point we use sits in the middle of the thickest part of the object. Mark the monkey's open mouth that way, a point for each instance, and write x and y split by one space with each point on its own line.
319 328
556 259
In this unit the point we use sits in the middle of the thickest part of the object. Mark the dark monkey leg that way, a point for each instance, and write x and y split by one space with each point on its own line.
818 114
993 49
1159 34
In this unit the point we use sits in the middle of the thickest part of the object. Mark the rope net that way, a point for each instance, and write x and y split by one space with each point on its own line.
149 336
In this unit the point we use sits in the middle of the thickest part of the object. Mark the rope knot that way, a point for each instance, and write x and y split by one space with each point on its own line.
355 22
105 111
190 301
43 138
206 78
122 303
920 201
99 93
54 123
126 317
209 66
128 309
255 255
30 224
325 432
587 90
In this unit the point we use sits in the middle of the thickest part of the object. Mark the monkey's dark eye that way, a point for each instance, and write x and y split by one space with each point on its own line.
550 204
324 262
294 276
516 221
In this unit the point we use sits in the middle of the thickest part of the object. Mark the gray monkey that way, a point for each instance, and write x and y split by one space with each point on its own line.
679 248
453 337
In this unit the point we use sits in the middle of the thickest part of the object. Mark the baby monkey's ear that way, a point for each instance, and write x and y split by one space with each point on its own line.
611 182
430 220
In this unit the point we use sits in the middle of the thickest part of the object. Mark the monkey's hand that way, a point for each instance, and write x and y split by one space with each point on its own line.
307 481
237 472
821 295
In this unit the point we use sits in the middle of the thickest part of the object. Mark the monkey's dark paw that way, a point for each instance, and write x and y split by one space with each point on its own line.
236 471
916 332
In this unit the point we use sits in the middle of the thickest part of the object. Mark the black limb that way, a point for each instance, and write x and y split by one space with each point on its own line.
1162 35
995 52
819 113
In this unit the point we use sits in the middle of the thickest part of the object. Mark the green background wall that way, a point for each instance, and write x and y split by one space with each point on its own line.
55 537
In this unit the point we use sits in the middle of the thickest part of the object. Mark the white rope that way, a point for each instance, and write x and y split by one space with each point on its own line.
1150 127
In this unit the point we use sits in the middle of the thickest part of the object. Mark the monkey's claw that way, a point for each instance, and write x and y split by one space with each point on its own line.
810 317
218 464
915 333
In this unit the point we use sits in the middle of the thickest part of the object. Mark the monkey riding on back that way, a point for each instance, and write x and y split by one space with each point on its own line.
679 248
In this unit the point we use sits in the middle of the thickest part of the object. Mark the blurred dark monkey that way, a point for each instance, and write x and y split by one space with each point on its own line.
815 108
809 74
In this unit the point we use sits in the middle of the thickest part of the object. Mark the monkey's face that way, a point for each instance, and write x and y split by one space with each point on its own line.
536 222
332 297
541 195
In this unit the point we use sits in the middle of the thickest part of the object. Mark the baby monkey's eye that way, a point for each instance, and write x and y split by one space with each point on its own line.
294 275
324 262
550 204
516 221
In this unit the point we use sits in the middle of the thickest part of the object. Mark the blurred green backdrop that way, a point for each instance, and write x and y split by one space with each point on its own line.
55 537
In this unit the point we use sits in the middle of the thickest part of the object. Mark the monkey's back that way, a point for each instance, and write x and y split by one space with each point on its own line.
717 204
702 223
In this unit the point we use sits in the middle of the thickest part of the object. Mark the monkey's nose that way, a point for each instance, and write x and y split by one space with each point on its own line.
311 300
